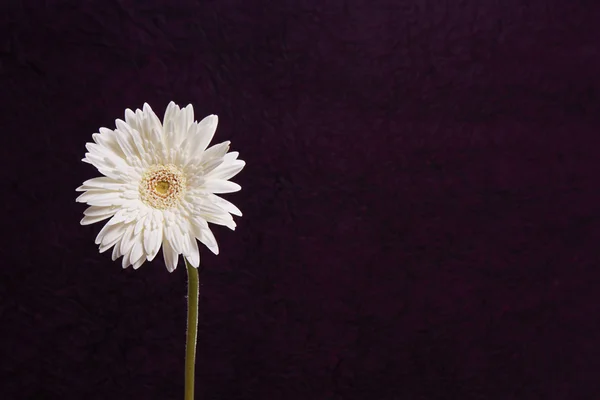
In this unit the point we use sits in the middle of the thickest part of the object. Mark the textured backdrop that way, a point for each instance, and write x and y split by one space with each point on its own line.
421 202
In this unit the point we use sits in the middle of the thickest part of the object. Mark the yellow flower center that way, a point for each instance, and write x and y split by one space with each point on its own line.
162 186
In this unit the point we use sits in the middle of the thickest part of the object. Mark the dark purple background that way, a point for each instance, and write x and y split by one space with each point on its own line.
421 202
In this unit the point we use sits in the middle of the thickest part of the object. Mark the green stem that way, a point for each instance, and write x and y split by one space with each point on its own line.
192 330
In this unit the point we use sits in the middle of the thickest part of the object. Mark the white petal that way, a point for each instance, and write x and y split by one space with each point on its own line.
104 247
169 118
216 215
106 201
170 255
191 133
211 165
176 124
208 239
188 116
100 198
131 194
109 232
101 183
126 261
182 122
88 220
221 186
100 235
132 215
132 120
216 151
185 242
139 262
225 205
197 224
220 220
94 211
227 171
111 172
174 236
105 150
126 140
208 207
96 193
137 251
121 164
107 139
193 254
151 134
158 219
100 163
151 116
139 145
152 129
116 253
231 156
113 236
152 241
210 242
107 244
139 225
119 217
204 134
128 239
133 138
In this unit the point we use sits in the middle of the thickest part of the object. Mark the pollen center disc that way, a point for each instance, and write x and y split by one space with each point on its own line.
162 187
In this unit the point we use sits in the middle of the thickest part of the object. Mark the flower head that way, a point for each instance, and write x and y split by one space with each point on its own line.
159 186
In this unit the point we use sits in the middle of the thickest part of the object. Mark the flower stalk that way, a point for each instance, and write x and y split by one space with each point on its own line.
192 330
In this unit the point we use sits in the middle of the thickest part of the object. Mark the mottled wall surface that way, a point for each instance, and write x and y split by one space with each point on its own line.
421 200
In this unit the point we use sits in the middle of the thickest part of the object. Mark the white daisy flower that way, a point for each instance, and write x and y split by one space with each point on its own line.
159 186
